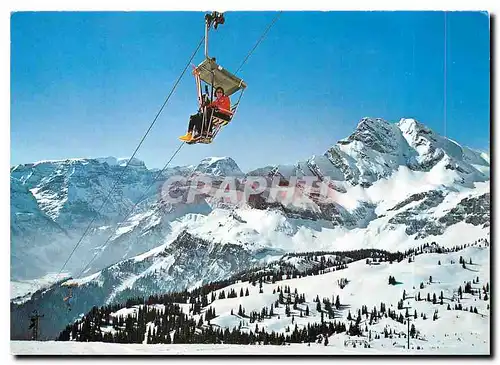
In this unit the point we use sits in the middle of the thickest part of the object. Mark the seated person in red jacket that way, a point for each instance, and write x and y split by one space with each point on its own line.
220 108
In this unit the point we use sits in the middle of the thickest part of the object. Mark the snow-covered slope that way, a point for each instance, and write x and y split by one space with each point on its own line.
102 348
391 186
352 286
451 329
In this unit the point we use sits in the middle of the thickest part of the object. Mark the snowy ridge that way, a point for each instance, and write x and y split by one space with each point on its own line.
218 166
122 161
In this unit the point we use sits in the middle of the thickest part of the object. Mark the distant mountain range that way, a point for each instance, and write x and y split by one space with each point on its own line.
395 186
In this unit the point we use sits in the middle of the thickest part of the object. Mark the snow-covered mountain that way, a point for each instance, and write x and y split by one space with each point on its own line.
377 149
54 202
392 186
218 166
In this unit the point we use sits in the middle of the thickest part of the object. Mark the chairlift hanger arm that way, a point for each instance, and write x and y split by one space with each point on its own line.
215 18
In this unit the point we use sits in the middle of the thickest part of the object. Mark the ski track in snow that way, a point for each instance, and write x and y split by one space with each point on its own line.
99 348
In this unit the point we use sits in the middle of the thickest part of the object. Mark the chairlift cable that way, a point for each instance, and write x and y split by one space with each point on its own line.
140 200
147 132
128 162
258 42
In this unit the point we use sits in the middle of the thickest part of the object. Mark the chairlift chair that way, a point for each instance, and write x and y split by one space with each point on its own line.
213 75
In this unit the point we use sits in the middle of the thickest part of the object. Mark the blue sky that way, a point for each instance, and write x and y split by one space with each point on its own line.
90 84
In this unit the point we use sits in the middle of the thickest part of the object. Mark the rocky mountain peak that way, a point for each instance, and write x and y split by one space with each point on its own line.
376 134
113 161
411 126
218 166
